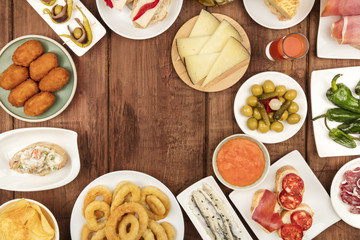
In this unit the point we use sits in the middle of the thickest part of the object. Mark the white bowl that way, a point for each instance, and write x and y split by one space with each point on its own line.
264 150
47 213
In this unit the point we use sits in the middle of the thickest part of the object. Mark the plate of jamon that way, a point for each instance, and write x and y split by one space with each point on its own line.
345 193
339 21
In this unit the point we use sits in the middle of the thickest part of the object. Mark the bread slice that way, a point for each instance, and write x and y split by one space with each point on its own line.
283 9
151 16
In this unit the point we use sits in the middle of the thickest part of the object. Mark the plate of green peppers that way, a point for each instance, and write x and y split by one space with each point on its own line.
335 101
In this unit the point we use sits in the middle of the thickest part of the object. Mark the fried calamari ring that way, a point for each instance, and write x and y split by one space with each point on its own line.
90 216
158 230
122 193
151 209
128 227
94 193
99 235
169 229
86 233
148 235
117 215
155 205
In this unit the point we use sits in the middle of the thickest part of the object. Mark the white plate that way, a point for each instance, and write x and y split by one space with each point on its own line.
261 14
110 180
13 141
341 208
278 79
98 31
315 196
327 47
184 199
47 213
320 83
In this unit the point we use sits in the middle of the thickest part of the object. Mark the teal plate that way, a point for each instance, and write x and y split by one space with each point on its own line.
63 96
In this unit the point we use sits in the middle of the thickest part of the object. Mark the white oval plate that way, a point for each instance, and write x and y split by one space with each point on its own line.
110 180
120 22
47 213
13 141
261 14
341 208
278 79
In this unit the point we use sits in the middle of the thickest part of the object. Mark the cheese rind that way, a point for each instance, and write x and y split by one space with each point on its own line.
233 53
190 46
198 66
206 24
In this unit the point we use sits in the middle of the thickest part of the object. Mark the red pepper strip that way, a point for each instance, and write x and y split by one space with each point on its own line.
109 3
266 104
144 8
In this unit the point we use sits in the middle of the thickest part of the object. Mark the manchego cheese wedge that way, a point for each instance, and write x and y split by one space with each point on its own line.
206 24
233 53
198 66
190 46
219 38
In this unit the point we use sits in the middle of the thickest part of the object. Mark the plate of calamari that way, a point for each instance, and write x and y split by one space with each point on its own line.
126 205
38 78
210 211
339 20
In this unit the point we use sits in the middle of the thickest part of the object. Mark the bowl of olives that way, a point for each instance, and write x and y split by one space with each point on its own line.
270 106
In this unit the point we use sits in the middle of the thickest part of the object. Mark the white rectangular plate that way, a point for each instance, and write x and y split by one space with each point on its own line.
327 47
315 196
98 31
184 199
320 83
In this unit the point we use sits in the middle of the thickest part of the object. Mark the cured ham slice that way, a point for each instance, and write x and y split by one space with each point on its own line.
350 190
347 30
341 7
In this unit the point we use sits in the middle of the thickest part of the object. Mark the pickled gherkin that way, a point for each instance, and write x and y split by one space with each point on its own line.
213 3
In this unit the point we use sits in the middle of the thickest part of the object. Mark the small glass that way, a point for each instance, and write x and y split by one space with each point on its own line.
290 47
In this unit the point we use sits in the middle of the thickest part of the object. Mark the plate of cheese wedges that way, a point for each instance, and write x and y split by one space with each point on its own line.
211 52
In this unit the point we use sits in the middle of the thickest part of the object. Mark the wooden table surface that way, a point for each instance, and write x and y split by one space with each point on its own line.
132 112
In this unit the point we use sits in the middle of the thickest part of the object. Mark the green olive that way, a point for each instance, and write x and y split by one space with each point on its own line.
271 116
257 114
282 100
77 33
252 123
256 90
252 100
293 118
247 111
277 126
281 90
268 86
262 127
58 9
293 108
284 116
290 94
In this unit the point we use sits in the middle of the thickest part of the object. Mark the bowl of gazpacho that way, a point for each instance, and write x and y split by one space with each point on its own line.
241 162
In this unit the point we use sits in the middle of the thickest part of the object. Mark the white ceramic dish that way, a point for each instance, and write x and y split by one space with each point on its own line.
261 14
315 196
267 162
327 47
120 22
340 207
278 79
15 140
320 83
110 180
98 31
47 213
184 199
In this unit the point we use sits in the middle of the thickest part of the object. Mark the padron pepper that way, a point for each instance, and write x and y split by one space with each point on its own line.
85 38
350 127
339 115
340 137
357 88
48 2
60 14
341 96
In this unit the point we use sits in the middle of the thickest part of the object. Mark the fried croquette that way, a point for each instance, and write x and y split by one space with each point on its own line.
39 103
27 52
54 80
13 76
23 92
41 66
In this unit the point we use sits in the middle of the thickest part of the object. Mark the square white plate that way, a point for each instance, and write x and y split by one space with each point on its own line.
184 199
327 47
98 31
315 196
320 83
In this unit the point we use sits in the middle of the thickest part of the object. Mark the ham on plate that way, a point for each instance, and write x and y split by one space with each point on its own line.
347 30
341 7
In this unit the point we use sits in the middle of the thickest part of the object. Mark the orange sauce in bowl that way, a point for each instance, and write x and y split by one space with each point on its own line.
240 162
